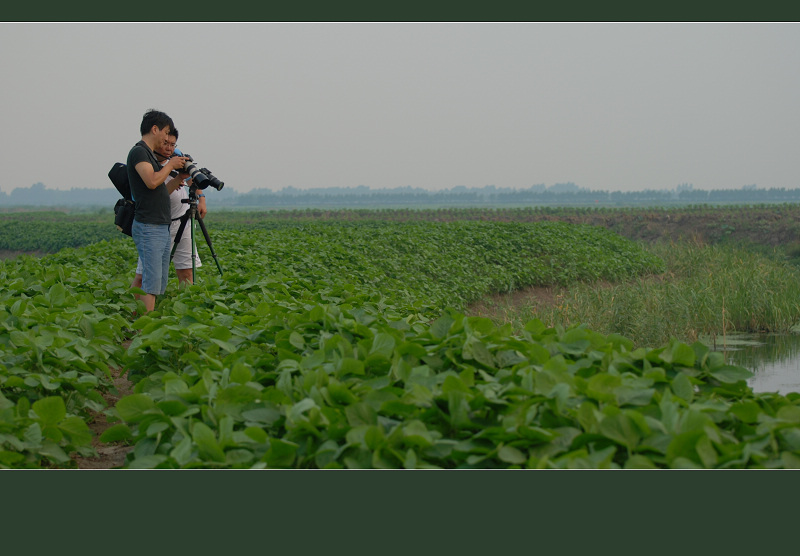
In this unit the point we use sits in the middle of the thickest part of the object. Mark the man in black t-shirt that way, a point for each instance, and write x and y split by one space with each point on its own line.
151 224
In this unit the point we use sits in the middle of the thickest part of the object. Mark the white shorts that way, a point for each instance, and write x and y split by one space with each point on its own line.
182 259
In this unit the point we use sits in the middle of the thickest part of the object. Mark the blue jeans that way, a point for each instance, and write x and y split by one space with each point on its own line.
154 245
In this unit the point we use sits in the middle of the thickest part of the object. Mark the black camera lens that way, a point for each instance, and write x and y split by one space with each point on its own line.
216 183
203 177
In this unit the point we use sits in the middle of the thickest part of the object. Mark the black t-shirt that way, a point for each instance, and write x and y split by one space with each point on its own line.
152 205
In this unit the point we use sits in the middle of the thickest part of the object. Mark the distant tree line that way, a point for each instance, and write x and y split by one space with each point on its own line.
562 194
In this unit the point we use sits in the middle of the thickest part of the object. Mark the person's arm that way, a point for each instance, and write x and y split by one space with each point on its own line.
153 179
175 183
201 204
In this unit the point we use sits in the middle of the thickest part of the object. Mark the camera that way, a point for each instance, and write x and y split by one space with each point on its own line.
213 181
203 177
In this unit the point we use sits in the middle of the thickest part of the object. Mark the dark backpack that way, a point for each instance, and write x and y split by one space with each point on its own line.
124 210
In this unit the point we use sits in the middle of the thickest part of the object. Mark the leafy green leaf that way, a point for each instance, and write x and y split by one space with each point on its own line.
76 430
730 373
281 453
747 411
206 442
50 410
116 433
361 414
679 354
509 454
621 429
383 344
134 407
602 387
682 387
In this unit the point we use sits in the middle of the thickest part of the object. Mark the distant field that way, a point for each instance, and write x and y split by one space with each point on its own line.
764 227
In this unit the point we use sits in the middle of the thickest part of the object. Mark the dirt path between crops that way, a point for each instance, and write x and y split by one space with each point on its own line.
111 455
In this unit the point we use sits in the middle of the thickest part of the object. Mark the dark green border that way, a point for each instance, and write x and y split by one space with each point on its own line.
415 10
379 511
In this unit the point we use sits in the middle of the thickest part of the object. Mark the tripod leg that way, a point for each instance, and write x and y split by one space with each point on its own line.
194 253
184 220
208 241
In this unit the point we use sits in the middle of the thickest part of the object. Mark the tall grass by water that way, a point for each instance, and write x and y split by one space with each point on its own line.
707 291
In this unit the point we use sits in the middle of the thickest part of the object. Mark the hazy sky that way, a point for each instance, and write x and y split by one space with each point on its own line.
610 106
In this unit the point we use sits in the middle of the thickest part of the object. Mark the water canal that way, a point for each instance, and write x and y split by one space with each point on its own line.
773 358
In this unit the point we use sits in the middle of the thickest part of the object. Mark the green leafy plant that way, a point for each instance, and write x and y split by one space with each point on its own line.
345 345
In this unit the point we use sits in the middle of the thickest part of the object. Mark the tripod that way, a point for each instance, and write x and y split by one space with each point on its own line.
192 214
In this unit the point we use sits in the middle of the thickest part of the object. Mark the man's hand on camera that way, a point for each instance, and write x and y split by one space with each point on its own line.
177 162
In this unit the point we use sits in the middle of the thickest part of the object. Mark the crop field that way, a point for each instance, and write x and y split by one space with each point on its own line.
50 231
345 344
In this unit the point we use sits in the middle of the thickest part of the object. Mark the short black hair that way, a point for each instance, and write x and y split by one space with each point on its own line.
173 131
155 118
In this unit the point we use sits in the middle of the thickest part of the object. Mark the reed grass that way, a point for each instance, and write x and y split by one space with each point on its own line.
707 291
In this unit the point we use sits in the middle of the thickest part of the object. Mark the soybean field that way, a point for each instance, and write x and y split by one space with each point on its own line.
345 344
